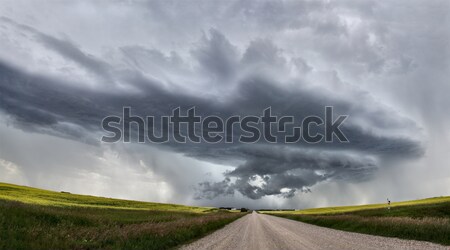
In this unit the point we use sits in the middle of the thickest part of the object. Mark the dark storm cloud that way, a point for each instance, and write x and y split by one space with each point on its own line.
69 103
208 190
86 109
282 167
64 107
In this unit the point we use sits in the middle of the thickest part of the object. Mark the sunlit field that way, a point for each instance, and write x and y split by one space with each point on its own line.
32 218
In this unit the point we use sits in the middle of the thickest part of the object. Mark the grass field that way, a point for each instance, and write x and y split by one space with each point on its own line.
32 218
427 219
344 209
49 198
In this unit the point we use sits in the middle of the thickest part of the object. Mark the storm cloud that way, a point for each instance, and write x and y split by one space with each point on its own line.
295 57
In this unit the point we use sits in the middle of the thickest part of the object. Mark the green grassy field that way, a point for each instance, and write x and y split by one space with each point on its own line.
32 218
344 209
426 219
49 198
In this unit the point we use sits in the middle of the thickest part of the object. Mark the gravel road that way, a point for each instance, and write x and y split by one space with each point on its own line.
259 231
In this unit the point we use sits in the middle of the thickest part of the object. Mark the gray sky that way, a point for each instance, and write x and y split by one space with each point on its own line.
64 66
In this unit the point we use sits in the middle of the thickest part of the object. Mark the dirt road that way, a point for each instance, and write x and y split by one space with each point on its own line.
259 231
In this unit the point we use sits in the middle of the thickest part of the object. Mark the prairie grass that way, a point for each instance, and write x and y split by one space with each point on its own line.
425 221
343 209
51 220
37 196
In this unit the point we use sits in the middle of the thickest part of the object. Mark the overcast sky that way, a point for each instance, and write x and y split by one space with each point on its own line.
65 65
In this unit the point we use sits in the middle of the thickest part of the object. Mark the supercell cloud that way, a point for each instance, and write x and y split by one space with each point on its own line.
66 66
